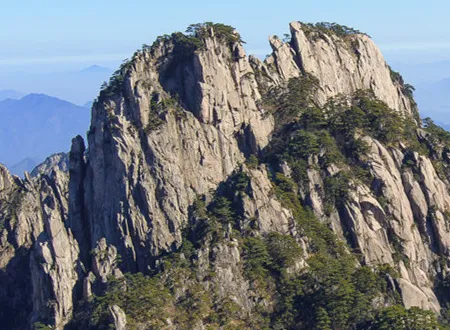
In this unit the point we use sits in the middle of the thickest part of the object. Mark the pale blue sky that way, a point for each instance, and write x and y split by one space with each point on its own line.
50 32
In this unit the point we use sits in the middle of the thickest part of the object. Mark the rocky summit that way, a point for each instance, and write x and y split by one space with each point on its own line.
219 191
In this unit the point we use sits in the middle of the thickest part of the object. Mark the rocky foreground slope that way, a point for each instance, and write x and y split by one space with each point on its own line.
296 192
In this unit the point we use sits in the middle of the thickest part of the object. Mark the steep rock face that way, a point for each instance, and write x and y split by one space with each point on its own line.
159 174
342 65
400 220
58 161
366 218
118 317
399 231
54 260
6 179
225 260
192 151
264 207
36 245
399 216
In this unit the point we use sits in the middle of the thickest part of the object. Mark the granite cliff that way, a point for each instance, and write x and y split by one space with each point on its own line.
203 163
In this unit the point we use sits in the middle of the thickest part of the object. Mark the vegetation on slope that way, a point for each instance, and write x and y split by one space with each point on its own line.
333 136
336 290
184 46
333 32
327 28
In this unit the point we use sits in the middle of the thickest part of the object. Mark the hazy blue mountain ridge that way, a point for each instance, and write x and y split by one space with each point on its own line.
74 86
10 94
434 100
37 126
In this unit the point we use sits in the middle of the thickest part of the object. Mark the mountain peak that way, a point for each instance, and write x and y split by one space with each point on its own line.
38 96
96 69
38 125
26 164
33 99
10 94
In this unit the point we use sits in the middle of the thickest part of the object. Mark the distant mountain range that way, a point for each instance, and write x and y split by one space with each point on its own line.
88 104
37 126
96 69
10 94
423 73
434 100
444 126
34 126
74 86
26 164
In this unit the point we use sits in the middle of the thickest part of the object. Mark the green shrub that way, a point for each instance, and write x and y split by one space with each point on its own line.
194 306
288 102
437 137
328 28
143 299
221 31
41 326
227 310
239 182
221 209
252 162
399 318
337 189
257 258
283 251
368 114
185 45
200 223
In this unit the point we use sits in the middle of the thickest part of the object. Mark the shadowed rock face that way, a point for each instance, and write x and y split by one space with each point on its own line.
163 171
39 257
174 129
